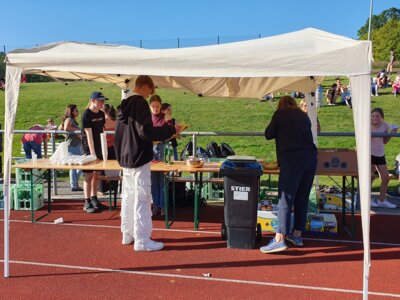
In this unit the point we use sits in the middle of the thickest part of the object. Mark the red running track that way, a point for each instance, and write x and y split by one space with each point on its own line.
83 259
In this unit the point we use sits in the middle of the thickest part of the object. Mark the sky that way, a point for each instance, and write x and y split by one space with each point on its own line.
159 24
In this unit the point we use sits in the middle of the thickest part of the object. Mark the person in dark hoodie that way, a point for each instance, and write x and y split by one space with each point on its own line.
134 136
297 158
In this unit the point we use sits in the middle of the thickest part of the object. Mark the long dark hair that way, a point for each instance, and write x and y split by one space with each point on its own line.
110 111
68 113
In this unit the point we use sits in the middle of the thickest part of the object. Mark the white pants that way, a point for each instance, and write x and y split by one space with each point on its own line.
136 202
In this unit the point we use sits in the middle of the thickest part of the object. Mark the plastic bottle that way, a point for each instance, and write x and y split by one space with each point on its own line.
170 153
263 194
166 153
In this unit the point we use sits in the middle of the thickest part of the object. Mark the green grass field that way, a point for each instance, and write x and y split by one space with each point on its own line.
40 101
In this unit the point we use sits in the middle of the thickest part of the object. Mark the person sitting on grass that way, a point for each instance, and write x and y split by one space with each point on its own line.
332 94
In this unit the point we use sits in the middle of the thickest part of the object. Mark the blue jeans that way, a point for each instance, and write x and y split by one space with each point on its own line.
157 178
74 175
175 149
32 146
296 177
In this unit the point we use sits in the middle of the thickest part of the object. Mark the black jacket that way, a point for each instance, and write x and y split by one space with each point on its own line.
134 133
291 129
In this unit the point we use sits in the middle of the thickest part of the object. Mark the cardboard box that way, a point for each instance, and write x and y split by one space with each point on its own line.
337 161
316 223
332 201
321 223
268 220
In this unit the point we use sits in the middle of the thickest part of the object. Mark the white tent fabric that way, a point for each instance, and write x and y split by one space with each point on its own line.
295 61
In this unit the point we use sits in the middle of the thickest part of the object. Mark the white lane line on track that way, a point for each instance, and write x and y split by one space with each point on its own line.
226 280
202 232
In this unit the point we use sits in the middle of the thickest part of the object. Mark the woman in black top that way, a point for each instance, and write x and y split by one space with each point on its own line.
297 158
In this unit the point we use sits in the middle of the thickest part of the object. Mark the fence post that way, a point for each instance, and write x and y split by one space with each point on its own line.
178 43
218 40
53 147
194 141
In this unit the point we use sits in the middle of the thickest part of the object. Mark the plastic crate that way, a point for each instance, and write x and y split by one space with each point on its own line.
214 191
24 176
23 198
2 197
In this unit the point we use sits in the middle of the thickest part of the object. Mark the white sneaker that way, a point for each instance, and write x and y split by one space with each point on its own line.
373 203
386 204
147 245
127 239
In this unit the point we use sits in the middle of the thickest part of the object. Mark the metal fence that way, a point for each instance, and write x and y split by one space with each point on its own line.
193 134
178 42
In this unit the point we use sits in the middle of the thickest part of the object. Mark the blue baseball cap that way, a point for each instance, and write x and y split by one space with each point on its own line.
98 96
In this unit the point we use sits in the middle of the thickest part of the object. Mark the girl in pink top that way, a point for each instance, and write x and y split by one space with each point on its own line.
33 142
378 160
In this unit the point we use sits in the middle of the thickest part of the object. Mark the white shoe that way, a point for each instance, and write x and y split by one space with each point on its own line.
386 204
373 203
127 239
147 245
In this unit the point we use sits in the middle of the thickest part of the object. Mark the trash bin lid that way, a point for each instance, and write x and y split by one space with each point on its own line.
238 164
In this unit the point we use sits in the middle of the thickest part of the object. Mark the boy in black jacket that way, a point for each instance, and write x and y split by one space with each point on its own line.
134 136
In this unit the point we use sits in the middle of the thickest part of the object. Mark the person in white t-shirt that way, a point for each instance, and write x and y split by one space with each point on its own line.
378 160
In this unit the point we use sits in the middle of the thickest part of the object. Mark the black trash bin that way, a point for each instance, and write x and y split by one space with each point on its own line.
241 193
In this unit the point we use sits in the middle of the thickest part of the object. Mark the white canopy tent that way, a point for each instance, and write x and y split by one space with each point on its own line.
295 61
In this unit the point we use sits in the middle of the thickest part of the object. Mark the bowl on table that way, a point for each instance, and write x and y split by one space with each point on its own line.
194 162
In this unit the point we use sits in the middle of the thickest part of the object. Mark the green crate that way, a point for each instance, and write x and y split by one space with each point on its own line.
2 197
23 198
213 191
24 176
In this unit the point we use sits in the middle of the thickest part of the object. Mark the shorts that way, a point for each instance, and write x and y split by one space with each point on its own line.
378 160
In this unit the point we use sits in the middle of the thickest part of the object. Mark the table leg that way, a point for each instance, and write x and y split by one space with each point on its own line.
352 207
196 201
343 201
110 191
350 231
49 191
31 200
166 201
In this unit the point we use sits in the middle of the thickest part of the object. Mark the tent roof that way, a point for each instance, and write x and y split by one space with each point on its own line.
241 69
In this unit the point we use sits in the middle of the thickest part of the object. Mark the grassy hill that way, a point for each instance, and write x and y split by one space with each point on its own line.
40 101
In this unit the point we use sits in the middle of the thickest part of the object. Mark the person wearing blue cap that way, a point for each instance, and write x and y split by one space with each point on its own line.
93 121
